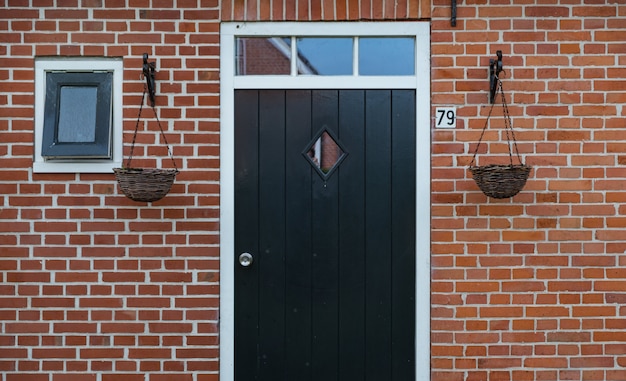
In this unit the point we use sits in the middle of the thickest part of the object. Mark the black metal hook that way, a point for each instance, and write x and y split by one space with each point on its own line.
148 73
453 13
495 67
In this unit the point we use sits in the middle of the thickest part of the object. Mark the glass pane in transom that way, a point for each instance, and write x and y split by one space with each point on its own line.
387 56
324 56
263 56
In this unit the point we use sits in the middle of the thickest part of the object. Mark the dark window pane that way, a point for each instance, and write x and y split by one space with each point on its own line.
325 56
77 114
387 56
263 56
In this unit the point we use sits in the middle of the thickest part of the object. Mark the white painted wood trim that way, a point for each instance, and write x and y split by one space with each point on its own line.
321 82
330 29
422 207
227 207
43 65
420 82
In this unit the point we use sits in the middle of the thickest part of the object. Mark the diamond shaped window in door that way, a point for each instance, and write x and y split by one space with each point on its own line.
325 152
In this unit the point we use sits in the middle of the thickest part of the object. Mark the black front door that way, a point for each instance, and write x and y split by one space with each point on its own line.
325 212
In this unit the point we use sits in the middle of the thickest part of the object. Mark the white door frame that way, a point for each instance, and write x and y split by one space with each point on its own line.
420 82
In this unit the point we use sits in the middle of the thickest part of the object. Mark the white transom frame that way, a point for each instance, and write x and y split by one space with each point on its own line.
230 82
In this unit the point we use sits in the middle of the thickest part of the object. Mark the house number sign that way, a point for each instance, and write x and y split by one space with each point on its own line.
445 117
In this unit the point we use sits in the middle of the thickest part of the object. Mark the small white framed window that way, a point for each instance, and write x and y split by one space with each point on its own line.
78 115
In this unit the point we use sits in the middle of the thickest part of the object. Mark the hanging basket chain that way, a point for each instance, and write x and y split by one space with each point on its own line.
482 134
169 152
507 124
132 146
509 127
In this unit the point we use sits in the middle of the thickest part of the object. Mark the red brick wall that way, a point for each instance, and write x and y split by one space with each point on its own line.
324 10
530 288
96 287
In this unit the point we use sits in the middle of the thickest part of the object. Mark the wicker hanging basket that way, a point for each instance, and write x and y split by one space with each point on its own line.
501 180
146 184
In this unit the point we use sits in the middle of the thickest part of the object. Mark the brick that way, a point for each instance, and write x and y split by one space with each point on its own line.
569 286
175 377
594 362
547 11
74 377
593 311
25 376
100 302
75 327
197 353
170 327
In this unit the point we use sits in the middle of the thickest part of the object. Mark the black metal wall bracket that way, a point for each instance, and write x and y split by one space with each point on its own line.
495 67
453 13
148 73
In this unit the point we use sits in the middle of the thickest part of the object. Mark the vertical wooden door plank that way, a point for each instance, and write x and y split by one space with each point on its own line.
298 238
352 236
246 232
378 234
403 235
271 258
324 251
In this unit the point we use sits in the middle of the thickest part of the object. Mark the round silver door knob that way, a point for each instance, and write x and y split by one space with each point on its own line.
245 259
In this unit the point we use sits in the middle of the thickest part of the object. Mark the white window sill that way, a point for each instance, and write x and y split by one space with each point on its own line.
76 167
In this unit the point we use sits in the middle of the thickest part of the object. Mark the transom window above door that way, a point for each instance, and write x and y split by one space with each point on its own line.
325 56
